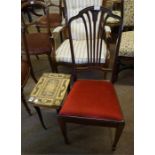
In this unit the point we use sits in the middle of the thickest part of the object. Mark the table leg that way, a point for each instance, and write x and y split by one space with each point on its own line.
40 116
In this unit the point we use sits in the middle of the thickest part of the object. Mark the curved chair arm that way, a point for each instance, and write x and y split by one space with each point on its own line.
61 29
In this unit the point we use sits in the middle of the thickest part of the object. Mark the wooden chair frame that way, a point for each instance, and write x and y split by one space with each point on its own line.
25 31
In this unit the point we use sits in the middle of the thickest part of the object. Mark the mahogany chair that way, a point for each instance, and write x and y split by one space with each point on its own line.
93 102
126 50
36 43
25 72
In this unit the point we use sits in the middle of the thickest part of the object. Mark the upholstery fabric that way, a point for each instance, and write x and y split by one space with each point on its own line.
128 13
92 99
38 43
127 44
63 53
74 6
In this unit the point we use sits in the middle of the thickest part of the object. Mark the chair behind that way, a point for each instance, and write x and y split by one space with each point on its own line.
126 50
56 18
36 43
55 14
62 54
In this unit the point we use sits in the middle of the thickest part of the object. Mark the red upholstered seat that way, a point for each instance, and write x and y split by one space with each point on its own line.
92 99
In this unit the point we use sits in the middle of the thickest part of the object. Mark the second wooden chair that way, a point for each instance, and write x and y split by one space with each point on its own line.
36 43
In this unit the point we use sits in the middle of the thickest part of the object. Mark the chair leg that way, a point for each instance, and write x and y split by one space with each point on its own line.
38 28
50 61
37 57
115 72
68 89
25 103
118 133
105 75
61 37
55 67
40 116
32 74
64 130
29 16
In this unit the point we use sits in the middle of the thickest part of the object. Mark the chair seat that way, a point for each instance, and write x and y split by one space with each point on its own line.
25 70
63 53
54 19
127 44
38 43
92 99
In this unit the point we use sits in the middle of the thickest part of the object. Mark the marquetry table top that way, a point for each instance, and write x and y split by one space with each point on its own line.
50 90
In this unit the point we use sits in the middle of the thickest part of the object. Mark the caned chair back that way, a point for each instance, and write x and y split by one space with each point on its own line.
96 44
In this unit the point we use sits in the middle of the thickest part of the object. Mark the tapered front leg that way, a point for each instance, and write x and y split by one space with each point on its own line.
32 75
63 129
25 103
118 133
40 116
